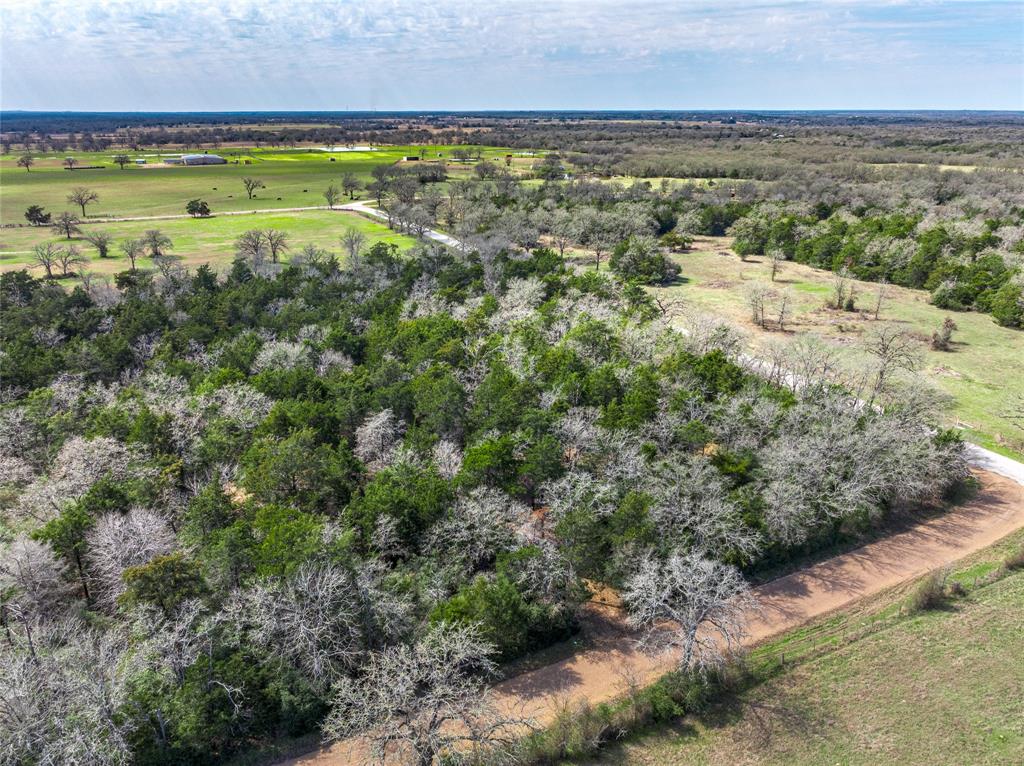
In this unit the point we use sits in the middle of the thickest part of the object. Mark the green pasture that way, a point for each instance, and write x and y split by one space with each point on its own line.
201 240
293 178
983 373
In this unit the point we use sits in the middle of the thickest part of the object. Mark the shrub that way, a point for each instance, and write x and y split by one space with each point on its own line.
514 624
1015 560
942 338
641 259
930 593
1008 305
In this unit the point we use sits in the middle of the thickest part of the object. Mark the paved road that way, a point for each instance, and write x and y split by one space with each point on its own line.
987 460
436 236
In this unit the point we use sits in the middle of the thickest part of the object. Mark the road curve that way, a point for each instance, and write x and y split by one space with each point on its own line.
604 670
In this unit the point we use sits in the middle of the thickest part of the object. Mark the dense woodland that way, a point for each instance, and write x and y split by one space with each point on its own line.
226 499
235 507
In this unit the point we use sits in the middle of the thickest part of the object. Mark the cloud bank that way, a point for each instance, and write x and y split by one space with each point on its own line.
505 54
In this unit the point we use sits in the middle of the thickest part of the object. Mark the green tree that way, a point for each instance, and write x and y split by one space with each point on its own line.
284 538
1008 305
641 259
505 618
36 216
197 208
412 498
165 581
302 471
66 534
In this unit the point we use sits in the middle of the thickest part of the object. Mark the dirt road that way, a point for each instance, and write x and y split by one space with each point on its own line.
601 672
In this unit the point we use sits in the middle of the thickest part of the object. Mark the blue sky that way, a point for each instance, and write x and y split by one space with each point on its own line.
149 55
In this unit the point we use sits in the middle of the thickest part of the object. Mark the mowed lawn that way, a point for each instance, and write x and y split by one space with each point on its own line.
293 178
943 688
984 373
202 240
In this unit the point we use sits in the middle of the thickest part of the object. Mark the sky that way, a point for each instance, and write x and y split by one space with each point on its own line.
184 55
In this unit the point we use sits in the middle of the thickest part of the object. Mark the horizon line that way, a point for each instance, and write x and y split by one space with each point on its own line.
600 110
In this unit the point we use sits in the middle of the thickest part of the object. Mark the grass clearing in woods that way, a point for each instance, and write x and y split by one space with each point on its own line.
983 372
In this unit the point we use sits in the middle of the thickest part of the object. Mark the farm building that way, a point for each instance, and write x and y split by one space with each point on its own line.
203 159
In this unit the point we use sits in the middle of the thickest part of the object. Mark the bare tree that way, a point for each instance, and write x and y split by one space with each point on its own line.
252 246
881 293
46 255
318 257
353 241
26 161
691 504
277 243
758 295
33 581
775 259
79 463
690 605
63 702
70 162
376 439
81 196
69 258
310 620
782 308
121 160
447 458
842 289
66 224
118 542
331 196
414 703
894 349
251 185
157 242
133 249
101 240
565 230
479 527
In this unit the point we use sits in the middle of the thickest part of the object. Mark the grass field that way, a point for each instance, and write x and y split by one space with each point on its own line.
874 686
202 240
293 178
983 373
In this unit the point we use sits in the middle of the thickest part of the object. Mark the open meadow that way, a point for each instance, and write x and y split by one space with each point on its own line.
292 178
200 240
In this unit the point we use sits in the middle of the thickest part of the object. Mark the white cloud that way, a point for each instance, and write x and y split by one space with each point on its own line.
382 52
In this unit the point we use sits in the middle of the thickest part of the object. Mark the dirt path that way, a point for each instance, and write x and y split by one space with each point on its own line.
603 671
